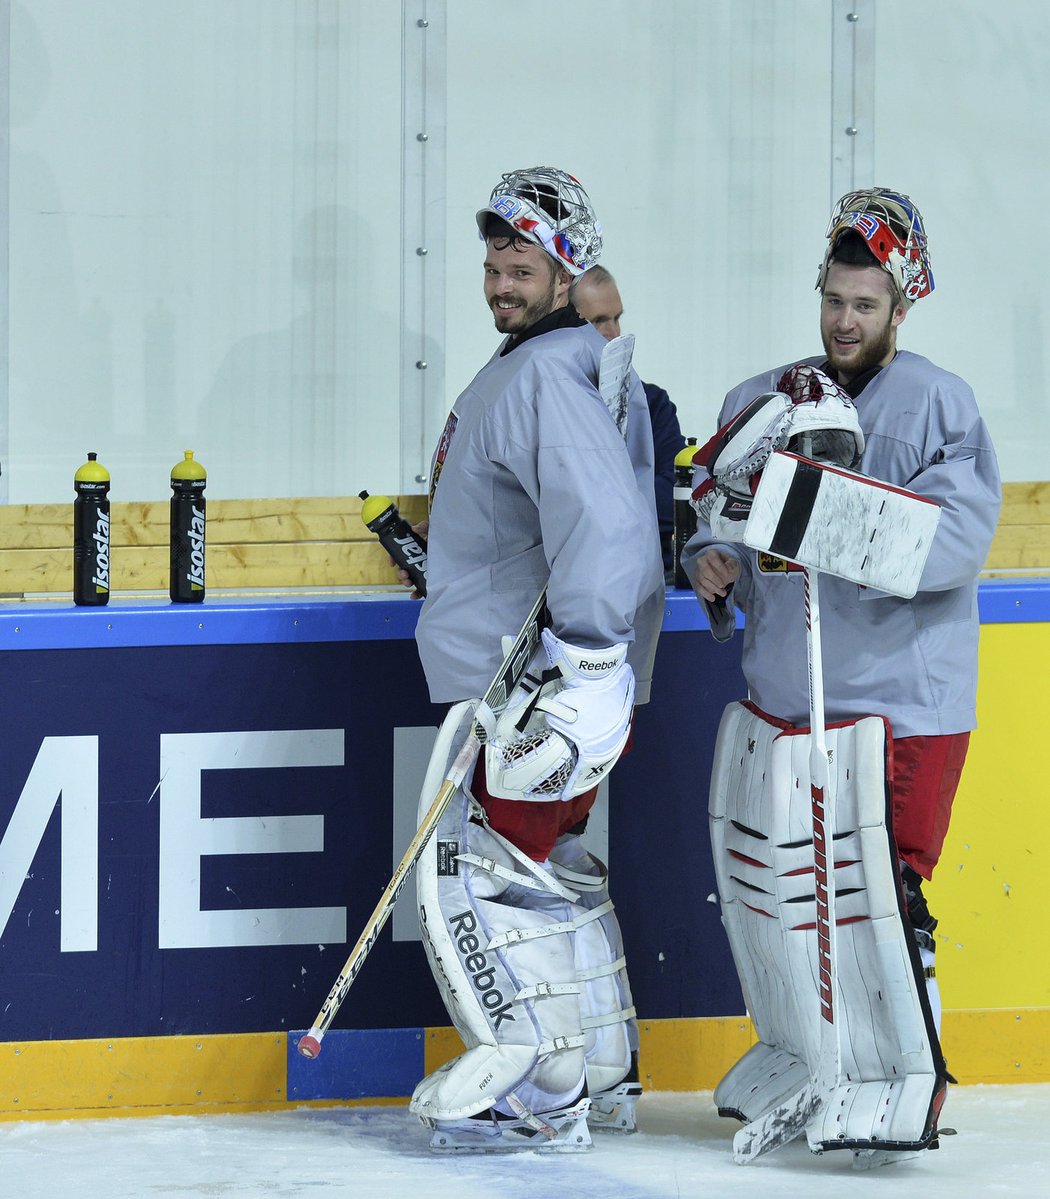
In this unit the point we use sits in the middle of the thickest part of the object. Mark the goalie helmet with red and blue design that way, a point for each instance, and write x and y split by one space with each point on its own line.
893 230
550 208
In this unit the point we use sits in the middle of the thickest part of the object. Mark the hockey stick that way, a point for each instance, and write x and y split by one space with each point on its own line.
509 674
784 1122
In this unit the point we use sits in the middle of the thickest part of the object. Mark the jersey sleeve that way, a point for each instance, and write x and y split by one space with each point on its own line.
599 535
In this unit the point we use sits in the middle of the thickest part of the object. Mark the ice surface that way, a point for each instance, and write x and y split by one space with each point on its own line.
683 1150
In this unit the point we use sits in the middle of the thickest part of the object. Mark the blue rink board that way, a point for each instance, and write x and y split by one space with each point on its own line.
130 677
381 615
357 1064
90 734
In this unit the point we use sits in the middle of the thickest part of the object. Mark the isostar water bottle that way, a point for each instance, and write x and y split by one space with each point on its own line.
408 549
91 566
684 512
187 531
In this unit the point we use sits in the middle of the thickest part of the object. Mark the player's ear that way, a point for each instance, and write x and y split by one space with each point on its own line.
899 313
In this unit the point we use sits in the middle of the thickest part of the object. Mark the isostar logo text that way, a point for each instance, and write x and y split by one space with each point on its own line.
414 553
195 537
463 928
101 540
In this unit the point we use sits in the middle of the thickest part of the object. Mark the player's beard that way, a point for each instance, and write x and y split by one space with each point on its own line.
871 351
517 320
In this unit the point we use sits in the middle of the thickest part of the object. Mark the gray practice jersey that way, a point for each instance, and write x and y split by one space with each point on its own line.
912 661
533 486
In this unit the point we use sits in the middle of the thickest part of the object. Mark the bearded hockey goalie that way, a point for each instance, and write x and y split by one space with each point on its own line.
872 471
543 479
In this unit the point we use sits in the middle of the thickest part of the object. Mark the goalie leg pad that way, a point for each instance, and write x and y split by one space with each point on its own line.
608 1015
498 930
893 1076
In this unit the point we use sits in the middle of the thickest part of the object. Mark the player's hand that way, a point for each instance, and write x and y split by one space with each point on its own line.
402 575
714 575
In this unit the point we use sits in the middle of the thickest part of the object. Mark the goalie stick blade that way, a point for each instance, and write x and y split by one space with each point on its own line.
515 663
614 380
780 1125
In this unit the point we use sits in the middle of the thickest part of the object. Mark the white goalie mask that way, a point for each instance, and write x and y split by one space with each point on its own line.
893 231
809 413
550 208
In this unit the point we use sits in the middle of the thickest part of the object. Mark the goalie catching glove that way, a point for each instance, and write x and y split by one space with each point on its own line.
565 724
808 413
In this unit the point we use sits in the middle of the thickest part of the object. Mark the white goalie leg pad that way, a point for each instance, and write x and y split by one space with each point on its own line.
775 1067
893 1076
498 930
609 1020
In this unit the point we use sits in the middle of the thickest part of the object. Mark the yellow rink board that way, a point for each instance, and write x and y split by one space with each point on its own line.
147 1076
989 891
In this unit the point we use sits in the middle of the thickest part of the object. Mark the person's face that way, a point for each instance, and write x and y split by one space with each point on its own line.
858 319
600 304
522 285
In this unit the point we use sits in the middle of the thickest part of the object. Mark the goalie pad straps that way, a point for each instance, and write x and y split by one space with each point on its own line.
607 1007
893 1075
501 933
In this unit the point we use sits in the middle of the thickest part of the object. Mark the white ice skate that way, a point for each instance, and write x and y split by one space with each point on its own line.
561 1131
615 1110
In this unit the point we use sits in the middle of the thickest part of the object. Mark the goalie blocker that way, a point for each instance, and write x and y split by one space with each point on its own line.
833 520
893 1076
843 523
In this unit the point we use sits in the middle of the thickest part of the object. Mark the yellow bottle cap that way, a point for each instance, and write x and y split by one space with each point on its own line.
685 455
373 506
92 471
188 468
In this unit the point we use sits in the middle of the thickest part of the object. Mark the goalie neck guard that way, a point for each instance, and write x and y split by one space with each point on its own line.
549 208
893 230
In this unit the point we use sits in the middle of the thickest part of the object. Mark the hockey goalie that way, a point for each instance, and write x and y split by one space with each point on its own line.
542 480
869 472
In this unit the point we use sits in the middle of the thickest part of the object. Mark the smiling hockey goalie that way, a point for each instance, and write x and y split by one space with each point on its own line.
848 1048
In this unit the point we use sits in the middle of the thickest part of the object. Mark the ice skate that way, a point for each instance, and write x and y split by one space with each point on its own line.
871 1159
561 1131
615 1110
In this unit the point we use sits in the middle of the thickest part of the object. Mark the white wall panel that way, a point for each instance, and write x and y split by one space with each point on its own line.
208 212
204 235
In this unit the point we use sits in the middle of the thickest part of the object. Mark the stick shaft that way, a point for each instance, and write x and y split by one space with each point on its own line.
509 674
823 811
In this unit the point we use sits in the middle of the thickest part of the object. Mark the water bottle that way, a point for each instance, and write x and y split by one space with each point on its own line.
684 512
395 534
187 531
91 565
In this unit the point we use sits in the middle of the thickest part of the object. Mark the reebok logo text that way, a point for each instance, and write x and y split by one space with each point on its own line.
463 928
